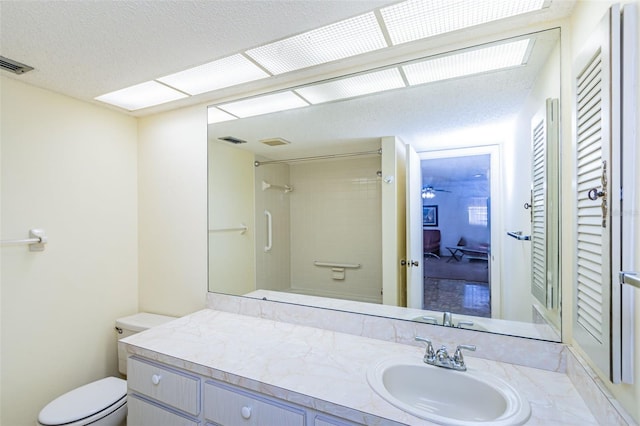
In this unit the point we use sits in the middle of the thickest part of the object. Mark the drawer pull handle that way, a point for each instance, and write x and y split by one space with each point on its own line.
246 412
155 379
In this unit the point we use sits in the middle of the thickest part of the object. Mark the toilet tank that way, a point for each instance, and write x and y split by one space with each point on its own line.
133 324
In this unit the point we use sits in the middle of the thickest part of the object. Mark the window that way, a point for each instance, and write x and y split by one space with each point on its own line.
478 211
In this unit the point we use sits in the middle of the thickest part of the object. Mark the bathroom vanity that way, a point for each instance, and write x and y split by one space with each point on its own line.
220 368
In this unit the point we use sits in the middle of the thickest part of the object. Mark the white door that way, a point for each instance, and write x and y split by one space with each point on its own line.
415 256
393 222
596 85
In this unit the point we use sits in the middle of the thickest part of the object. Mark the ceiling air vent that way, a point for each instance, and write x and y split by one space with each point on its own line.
13 66
232 139
275 141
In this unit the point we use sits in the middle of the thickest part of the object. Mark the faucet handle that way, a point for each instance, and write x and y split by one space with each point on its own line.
467 323
432 320
430 353
458 359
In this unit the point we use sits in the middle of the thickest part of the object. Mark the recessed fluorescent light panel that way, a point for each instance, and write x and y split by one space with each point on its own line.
141 96
264 104
467 63
336 41
218 74
214 115
349 87
417 19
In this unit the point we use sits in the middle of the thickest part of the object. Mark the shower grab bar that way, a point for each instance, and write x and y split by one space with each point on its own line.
242 228
285 188
36 242
269 245
337 265
518 236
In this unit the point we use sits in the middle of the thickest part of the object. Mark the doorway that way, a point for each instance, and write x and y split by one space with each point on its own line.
458 208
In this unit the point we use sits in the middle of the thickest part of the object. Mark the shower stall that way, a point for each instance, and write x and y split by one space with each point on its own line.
319 227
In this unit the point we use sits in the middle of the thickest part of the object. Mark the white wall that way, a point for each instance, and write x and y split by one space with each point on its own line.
336 217
70 168
172 186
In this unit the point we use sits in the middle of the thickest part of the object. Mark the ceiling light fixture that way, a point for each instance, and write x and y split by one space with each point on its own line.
470 62
417 19
225 72
264 104
428 193
341 40
350 87
142 96
404 22
214 115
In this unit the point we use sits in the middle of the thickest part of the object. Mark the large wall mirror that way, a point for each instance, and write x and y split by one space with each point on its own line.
314 204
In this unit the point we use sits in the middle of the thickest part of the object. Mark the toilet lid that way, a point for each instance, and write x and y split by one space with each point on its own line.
83 402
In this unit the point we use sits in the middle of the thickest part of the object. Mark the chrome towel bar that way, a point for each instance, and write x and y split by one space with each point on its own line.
630 278
518 236
36 241
337 265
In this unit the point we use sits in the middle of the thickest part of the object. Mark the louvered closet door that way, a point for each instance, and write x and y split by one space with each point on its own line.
544 212
593 110
538 219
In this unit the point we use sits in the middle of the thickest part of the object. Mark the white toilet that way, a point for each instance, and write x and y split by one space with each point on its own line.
103 402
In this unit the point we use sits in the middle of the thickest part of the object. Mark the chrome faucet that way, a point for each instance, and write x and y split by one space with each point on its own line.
441 357
447 321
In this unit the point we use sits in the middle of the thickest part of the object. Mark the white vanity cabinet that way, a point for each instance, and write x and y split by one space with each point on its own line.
162 395
225 405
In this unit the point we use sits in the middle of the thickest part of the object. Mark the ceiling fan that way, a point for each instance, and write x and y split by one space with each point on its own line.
430 192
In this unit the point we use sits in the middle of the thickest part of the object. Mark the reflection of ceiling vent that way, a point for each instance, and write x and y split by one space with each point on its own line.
232 139
13 66
275 141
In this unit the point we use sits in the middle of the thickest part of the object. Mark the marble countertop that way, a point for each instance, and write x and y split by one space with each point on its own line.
517 328
326 370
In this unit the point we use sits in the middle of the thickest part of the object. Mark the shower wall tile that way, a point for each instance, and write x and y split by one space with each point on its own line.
336 217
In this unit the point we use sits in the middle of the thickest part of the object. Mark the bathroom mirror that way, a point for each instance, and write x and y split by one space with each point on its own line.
296 196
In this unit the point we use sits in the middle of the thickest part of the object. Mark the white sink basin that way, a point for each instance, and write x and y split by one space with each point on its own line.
446 396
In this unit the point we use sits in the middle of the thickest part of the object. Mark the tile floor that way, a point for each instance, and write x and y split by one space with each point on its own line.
457 296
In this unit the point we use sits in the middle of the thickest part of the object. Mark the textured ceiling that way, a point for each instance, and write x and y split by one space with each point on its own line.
87 48
421 115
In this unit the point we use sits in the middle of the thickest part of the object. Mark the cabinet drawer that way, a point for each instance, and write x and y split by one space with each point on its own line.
143 413
168 386
322 420
229 406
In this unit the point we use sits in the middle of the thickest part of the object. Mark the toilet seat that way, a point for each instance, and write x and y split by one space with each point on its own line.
85 404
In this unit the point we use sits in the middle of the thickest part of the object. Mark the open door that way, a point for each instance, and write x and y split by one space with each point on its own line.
394 273
414 259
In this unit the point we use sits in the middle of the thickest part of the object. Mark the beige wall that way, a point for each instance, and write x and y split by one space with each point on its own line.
172 211
231 203
70 168
585 18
